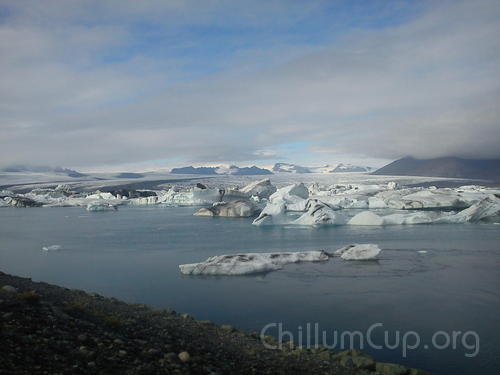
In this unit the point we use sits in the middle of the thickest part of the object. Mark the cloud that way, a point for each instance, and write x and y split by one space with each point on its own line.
80 88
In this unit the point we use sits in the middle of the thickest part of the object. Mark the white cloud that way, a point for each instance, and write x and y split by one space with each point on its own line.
429 87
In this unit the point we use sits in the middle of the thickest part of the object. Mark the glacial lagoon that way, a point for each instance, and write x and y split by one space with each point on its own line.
428 278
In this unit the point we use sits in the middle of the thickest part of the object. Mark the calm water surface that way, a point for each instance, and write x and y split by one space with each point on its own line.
133 254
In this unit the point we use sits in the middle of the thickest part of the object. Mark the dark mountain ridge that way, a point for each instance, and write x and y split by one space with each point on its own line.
451 167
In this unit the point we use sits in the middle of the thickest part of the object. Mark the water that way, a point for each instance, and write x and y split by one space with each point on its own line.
133 254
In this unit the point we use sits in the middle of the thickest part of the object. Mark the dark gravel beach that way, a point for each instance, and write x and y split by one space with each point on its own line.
46 329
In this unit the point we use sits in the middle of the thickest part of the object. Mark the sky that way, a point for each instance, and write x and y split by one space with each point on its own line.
138 85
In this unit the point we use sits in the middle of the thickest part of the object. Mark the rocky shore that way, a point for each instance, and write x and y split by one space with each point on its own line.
46 329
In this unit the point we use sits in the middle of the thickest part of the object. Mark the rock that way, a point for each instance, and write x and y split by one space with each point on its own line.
82 337
184 356
201 186
227 328
364 362
9 289
390 369
122 353
170 357
118 342
414 371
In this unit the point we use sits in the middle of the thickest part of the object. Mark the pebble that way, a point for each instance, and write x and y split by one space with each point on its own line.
122 353
9 289
82 337
184 356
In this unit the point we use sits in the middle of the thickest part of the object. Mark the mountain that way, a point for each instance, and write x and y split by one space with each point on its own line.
350 168
42 169
231 170
338 168
129 175
452 167
289 168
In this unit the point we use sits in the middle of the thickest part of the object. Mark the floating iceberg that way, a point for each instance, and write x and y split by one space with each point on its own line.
99 195
488 210
366 218
244 264
358 252
193 197
101 207
262 188
239 208
319 213
249 263
52 248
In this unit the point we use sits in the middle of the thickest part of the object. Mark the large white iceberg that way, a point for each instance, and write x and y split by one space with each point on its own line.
249 263
366 218
358 252
262 188
243 264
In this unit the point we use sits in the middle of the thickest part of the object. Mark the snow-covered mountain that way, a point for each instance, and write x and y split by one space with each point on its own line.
289 168
222 170
293 168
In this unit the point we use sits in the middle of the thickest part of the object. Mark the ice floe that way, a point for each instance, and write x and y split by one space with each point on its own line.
101 207
358 252
249 263
52 248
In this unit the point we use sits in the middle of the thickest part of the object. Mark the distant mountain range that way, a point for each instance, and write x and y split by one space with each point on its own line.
231 170
338 168
43 169
451 167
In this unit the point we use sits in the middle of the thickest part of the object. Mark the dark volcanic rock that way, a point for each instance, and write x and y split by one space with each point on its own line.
45 329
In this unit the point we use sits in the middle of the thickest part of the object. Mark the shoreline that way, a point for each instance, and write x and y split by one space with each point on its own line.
47 329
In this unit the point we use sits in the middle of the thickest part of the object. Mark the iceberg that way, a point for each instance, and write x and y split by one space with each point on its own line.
358 252
101 207
239 208
99 195
249 263
52 248
262 188
366 218
193 197
319 213
488 210
244 264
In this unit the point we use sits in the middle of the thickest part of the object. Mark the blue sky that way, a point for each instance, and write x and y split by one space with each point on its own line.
126 84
